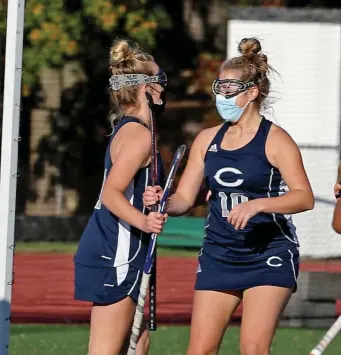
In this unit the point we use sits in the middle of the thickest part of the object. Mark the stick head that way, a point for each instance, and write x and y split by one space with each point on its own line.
180 152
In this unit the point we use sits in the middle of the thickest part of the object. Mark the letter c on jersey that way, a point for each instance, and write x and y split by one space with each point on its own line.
238 182
270 263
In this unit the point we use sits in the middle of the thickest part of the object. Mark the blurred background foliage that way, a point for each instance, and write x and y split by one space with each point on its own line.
55 29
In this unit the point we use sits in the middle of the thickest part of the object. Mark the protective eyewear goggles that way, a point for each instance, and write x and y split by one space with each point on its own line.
118 81
232 87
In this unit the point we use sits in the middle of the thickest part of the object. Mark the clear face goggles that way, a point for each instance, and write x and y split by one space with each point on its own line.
232 87
116 82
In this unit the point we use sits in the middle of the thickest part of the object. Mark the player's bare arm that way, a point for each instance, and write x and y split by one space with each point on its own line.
128 156
336 223
337 186
284 154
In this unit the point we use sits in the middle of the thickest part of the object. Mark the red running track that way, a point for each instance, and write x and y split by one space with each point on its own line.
43 288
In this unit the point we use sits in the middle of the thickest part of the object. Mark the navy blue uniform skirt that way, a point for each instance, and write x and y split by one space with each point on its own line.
106 285
278 270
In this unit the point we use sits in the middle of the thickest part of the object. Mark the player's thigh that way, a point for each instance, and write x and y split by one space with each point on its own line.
110 326
262 307
212 311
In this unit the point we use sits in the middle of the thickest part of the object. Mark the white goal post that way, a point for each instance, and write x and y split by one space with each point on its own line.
9 160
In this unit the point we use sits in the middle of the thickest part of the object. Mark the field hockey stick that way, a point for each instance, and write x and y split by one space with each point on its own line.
154 180
327 338
150 254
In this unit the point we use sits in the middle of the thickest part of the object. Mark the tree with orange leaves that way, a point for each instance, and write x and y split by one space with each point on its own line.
53 30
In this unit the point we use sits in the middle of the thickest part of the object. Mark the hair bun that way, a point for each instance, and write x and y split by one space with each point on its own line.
249 47
121 51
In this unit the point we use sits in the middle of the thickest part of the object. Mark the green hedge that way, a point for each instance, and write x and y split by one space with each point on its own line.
185 232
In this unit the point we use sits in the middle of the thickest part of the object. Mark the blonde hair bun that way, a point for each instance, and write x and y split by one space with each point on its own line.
122 50
249 47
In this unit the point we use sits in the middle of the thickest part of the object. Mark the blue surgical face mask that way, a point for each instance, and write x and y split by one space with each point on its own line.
228 109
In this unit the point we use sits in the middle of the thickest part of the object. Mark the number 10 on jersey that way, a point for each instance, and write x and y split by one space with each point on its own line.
235 198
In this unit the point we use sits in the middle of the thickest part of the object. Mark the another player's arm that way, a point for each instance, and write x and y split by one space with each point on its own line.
128 157
186 194
337 186
336 223
339 174
284 154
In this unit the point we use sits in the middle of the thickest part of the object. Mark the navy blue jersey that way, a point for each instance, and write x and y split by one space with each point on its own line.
109 241
236 176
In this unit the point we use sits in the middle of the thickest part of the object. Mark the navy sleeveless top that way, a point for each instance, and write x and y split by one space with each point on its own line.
237 176
107 240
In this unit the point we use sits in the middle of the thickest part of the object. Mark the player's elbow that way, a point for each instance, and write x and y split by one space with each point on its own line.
178 205
336 223
109 197
106 196
336 226
309 201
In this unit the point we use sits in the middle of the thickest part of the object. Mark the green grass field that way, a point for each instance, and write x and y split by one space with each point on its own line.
72 340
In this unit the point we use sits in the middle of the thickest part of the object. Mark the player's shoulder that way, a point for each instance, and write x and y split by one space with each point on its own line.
280 142
206 135
134 127
133 131
131 138
204 138
278 135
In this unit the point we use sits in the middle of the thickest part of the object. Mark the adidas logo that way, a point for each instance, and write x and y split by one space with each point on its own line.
213 148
